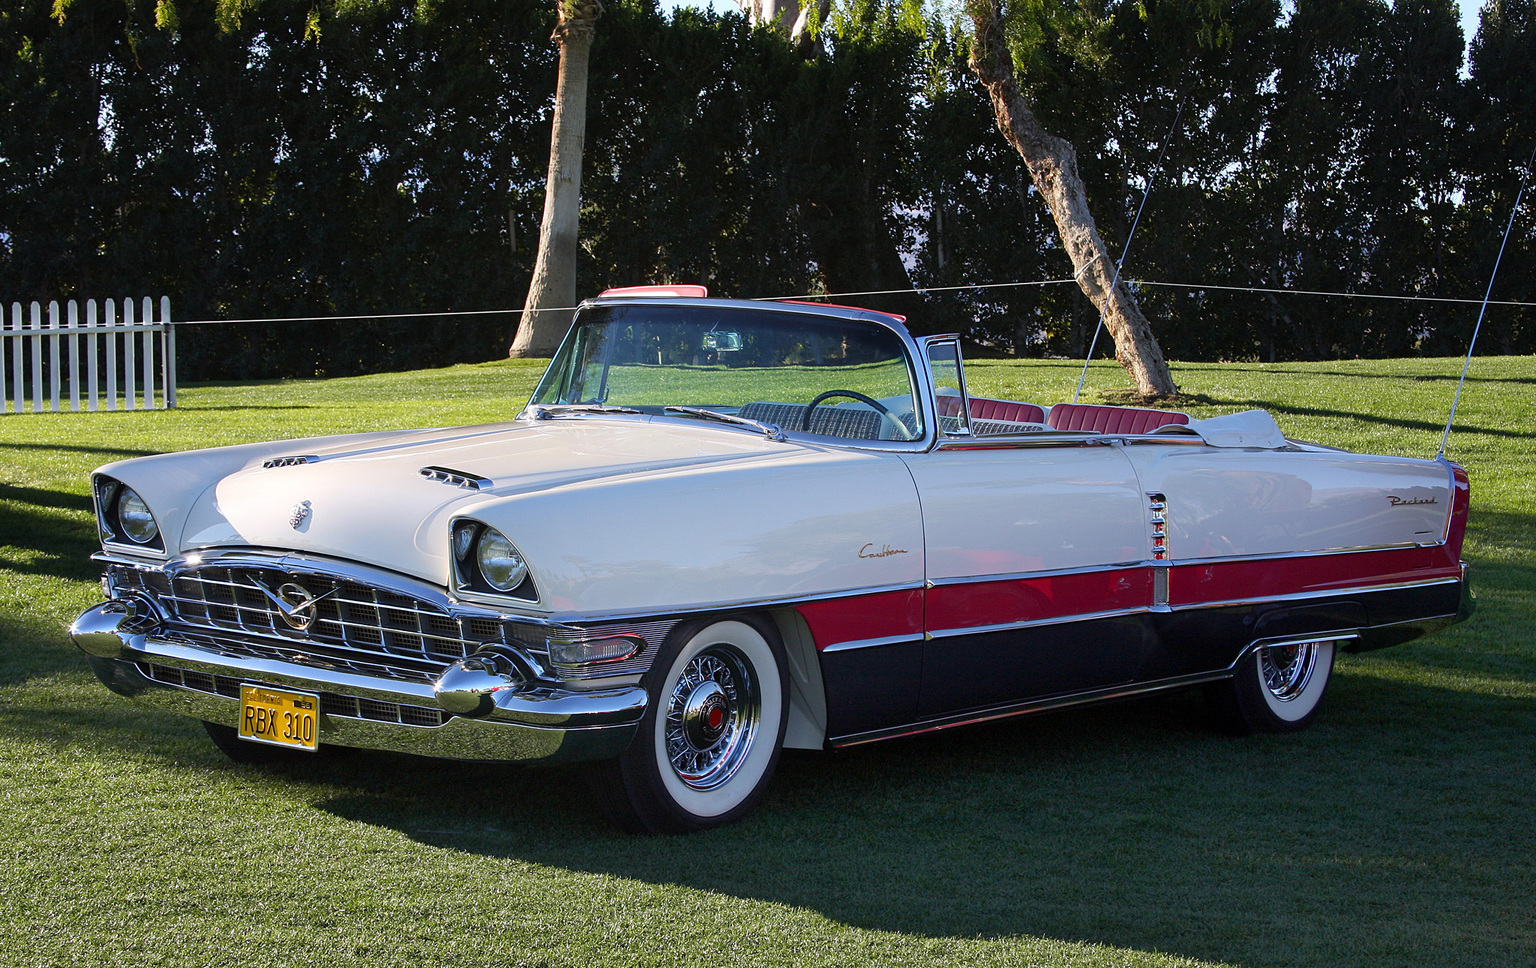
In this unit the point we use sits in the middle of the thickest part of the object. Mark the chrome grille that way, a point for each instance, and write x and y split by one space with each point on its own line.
346 614
313 654
331 704
358 626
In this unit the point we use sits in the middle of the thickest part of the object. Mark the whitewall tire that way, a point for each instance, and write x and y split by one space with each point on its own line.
1274 689
710 739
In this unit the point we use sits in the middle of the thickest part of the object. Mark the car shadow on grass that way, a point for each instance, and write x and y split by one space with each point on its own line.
1354 843
52 545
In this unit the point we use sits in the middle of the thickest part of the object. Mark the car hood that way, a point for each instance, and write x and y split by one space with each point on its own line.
368 498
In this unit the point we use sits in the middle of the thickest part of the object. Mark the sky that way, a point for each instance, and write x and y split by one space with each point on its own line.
1469 9
718 6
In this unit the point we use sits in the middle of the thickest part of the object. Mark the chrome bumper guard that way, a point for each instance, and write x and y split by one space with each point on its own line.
493 705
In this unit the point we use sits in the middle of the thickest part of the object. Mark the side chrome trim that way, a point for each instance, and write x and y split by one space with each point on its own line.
1034 623
1063 438
1058 438
1309 596
1303 639
1319 553
1160 587
1110 693
729 605
1029 575
1087 697
1163 564
872 643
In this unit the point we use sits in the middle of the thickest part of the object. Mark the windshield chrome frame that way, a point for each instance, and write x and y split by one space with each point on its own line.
914 353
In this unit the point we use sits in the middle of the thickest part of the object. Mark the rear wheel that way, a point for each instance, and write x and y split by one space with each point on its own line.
710 739
1275 689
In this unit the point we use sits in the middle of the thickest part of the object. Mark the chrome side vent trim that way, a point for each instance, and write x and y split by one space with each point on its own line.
1157 510
289 461
447 475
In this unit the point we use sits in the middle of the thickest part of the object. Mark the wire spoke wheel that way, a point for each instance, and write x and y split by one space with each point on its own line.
1274 688
1286 669
708 744
712 717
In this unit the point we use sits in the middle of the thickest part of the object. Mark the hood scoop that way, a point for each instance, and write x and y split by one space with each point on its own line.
464 479
289 461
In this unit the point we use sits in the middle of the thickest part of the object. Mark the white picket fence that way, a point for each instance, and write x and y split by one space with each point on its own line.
121 356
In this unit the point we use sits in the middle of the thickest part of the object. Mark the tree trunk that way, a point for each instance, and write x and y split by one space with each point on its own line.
790 18
552 293
1052 163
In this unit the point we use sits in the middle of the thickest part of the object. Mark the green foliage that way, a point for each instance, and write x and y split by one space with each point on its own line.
297 158
1393 832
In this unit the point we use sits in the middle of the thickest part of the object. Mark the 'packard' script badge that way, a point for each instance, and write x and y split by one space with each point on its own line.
1398 502
885 551
298 514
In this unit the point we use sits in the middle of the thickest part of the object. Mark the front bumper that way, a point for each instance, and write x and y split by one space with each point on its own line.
515 720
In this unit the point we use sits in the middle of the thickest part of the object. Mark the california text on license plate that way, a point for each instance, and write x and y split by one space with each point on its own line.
279 717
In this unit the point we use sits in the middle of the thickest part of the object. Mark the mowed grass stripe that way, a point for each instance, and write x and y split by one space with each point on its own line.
1394 832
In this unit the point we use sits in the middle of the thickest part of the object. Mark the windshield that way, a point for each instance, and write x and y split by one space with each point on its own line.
805 373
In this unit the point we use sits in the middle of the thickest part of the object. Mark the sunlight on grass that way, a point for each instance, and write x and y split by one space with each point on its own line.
1394 832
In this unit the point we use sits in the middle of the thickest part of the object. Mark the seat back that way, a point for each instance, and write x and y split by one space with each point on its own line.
983 408
857 423
1100 419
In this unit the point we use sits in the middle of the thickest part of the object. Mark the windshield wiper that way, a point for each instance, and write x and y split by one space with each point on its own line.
771 431
549 411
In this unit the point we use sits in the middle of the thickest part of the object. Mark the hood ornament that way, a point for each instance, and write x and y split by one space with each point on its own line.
295 603
298 514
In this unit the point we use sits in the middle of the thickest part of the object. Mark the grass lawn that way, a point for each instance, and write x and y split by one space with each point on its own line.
1397 831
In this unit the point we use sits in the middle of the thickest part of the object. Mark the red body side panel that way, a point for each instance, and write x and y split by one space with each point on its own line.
1020 600
862 617
1238 581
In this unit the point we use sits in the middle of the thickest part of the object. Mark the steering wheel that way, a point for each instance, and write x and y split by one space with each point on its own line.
902 433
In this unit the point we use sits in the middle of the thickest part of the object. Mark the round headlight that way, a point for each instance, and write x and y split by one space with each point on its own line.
134 518
500 564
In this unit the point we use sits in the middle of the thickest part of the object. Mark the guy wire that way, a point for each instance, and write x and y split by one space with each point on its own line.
1472 343
1129 237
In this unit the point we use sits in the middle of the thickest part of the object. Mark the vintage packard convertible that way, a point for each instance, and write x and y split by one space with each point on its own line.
722 528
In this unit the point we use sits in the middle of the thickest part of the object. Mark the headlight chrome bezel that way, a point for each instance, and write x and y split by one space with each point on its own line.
124 519
486 562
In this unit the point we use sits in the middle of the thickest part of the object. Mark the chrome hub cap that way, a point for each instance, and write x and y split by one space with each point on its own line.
1287 669
705 715
711 717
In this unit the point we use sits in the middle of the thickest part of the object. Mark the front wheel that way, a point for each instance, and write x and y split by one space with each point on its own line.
1275 689
710 738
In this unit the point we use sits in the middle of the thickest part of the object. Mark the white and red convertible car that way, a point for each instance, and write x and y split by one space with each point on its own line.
723 528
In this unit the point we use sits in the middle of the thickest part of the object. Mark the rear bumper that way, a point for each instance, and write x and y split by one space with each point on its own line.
522 721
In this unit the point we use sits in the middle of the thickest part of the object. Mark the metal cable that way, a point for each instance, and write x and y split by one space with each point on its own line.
1128 239
1472 343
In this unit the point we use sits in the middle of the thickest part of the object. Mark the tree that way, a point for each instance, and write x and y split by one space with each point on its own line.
552 293
1052 164
789 17
1501 138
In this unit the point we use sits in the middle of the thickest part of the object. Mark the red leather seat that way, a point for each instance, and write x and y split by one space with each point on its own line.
1101 419
983 408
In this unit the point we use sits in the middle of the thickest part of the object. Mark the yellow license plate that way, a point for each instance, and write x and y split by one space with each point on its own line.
279 717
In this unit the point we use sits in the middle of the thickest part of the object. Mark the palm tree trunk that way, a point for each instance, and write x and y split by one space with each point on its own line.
1052 163
552 293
